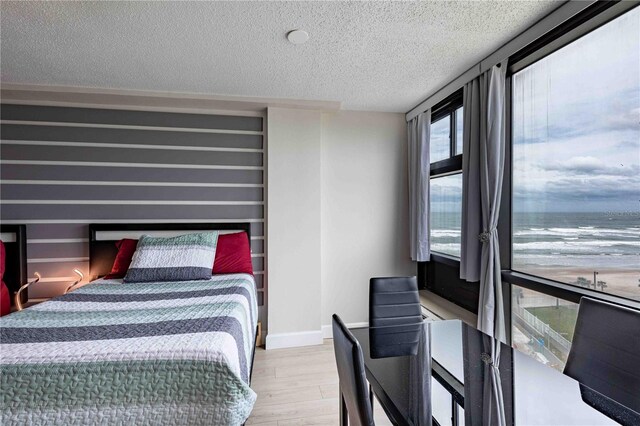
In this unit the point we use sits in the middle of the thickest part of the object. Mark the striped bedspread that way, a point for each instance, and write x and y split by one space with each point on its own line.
145 353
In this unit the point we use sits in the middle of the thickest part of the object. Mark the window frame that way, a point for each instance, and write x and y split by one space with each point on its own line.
448 107
452 165
441 273
442 267
446 268
582 24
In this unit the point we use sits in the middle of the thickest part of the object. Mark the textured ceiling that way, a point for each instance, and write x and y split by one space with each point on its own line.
368 55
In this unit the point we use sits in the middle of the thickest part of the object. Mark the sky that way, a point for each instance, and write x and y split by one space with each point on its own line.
576 127
576 123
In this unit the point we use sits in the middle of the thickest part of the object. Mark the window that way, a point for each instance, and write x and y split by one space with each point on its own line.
445 208
459 121
439 143
446 132
576 162
571 181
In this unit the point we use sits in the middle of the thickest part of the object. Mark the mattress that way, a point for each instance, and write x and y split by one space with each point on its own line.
136 353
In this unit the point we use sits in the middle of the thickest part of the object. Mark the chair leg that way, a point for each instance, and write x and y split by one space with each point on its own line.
344 417
371 396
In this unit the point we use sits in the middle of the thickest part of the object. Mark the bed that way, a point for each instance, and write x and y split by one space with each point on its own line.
133 353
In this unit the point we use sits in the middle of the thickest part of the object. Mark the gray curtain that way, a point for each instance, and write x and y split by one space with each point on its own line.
484 402
420 387
493 406
482 171
418 134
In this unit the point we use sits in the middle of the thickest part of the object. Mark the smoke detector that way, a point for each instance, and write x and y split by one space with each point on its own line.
297 36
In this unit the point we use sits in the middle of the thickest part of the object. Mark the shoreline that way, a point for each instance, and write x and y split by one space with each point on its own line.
619 282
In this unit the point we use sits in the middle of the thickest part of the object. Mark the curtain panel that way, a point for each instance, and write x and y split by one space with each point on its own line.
482 171
418 132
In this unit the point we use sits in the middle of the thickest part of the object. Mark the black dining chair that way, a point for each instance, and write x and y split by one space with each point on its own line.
394 301
355 400
605 352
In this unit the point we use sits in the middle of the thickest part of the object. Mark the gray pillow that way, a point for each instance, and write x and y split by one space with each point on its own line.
183 258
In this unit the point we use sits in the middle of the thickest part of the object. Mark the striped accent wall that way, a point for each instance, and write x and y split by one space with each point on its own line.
62 168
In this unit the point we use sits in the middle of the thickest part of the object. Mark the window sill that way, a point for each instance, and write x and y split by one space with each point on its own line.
445 259
446 310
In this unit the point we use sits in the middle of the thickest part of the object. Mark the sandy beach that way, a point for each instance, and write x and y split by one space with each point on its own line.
620 282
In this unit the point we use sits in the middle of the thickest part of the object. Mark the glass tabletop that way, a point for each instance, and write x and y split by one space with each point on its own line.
451 372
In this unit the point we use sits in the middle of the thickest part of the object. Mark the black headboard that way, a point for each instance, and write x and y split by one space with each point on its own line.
16 259
102 252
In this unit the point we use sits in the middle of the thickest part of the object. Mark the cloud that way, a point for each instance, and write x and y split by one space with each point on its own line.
560 97
592 166
566 192
625 120
542 120
580 164
576 124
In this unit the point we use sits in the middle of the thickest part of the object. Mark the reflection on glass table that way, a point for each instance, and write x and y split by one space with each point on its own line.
542 326
455 356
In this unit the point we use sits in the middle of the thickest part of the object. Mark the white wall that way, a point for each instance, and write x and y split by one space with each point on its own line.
337 216
364 218
293 218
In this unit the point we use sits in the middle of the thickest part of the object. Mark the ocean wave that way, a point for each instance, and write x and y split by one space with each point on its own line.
452 248
444 233
579 232
586 245
444 245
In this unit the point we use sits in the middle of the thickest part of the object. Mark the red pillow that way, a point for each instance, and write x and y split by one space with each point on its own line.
5 300
233 254
5 297
2 259
126 248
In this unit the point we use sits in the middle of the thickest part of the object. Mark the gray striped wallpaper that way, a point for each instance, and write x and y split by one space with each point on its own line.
63 168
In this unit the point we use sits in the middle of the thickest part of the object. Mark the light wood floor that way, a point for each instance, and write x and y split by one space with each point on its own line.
298 386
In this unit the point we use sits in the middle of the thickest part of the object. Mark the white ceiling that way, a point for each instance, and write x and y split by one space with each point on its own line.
368 55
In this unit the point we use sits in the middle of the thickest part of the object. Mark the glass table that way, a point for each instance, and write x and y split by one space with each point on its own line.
448 373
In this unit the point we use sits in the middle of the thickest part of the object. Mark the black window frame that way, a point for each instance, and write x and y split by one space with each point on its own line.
585 22
448 107
442 267
441 273
452 165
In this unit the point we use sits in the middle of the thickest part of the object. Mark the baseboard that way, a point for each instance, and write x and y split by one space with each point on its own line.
292 340
304 338
327 330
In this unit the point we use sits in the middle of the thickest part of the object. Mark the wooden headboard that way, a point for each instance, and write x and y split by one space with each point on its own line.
14 238
103 238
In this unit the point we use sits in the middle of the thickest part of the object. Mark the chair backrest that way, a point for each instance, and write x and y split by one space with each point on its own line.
353 381
394 301
605 352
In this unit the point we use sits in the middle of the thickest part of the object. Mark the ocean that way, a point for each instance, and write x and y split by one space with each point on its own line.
552 240
581 240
